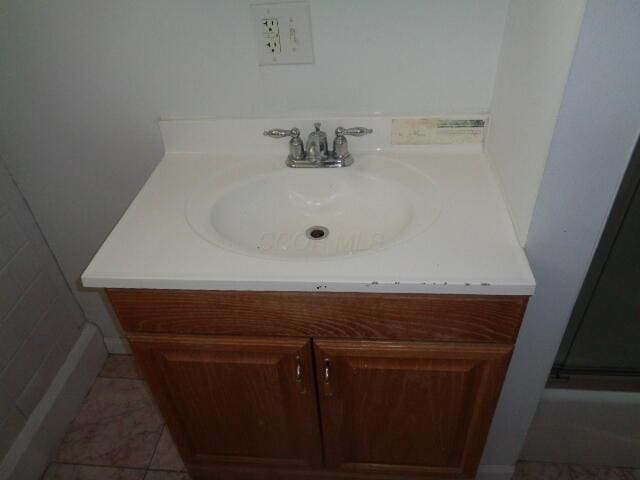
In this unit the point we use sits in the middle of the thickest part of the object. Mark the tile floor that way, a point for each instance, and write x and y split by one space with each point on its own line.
119 435
553 471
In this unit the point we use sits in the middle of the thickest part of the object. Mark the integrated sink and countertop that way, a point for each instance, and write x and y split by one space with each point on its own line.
400 219
348 322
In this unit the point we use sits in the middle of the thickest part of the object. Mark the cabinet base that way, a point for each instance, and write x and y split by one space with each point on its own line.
257 473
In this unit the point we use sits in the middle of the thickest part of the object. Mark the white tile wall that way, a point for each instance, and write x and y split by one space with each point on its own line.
9 429
12 238
39 319
20 321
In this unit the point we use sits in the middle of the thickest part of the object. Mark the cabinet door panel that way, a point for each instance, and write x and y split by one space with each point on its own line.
407 408
235 400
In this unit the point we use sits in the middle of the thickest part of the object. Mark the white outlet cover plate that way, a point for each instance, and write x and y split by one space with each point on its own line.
293 32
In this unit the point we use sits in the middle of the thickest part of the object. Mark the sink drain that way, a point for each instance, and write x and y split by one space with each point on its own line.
317 232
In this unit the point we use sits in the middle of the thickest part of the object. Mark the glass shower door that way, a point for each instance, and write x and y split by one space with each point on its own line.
603 335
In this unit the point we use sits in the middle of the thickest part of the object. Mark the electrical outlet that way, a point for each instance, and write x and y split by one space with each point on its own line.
282 33
273 45
270 27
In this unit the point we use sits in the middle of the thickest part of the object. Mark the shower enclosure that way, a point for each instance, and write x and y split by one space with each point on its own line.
603 335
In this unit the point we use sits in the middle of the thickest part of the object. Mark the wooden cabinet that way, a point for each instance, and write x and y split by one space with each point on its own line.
272 386
249 401
407 408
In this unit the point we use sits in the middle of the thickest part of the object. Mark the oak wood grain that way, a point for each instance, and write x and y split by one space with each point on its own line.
235 400
461 318
407 408
414 379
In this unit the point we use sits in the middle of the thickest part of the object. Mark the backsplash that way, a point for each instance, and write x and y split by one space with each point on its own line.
224 135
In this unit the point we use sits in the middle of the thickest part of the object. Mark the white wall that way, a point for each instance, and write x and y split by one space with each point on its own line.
538 45
598 125
84 81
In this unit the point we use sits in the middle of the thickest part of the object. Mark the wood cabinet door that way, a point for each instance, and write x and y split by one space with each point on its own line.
407 408
232 400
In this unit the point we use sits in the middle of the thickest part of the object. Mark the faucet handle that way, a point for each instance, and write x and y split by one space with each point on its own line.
280 133
296 145
355 131
340 145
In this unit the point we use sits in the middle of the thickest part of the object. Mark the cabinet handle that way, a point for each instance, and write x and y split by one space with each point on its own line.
298 369
327 368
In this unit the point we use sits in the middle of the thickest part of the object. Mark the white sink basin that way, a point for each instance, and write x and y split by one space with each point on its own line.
275 211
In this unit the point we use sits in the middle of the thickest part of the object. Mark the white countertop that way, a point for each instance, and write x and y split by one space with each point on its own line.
470 249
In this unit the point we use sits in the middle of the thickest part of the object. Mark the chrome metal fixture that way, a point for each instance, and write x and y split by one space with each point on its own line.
317 154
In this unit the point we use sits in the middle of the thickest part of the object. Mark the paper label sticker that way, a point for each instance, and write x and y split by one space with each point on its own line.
436 131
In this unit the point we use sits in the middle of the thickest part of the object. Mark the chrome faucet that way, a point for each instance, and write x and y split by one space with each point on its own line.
317 154
317 148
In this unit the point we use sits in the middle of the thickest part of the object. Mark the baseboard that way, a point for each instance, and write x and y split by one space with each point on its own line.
117 345
495 472
585 427
36 444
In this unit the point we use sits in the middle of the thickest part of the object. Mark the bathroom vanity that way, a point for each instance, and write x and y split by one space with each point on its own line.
323 385
379 354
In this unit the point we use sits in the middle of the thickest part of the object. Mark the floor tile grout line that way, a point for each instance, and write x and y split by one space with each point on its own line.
96 465
143 470
72 422
92 465
164 470
125 355
120 467
108 465
155 449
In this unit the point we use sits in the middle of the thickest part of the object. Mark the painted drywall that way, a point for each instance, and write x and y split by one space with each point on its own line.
598 125
538 45
84 82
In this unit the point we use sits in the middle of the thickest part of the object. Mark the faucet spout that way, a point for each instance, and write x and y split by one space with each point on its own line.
317 146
